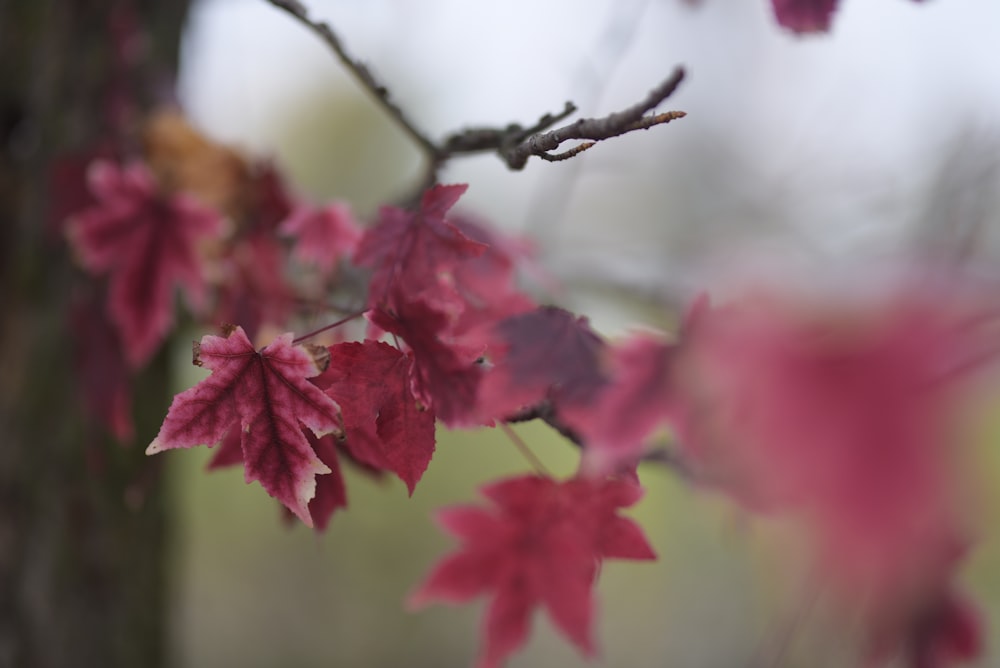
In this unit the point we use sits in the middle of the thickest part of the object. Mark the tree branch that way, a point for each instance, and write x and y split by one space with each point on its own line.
597 129
514 144
360 72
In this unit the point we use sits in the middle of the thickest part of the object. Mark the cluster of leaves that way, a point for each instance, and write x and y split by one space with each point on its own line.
464 350
788 405
839 410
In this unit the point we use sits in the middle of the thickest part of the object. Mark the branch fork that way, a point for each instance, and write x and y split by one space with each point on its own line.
513 144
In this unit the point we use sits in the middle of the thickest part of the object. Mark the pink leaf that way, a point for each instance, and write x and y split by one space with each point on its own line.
445 373
147 243
630 408
383 424
254 291
486 283
323 235
805 16
546 354
266 395
331 493
539 545
412 252
843 411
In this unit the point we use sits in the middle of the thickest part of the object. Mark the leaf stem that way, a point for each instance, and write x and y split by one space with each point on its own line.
324 328
519 443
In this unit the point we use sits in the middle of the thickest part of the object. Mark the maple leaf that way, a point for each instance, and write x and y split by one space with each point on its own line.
804 16
147 243
331 493
383 425
540 545
266 395
253 290
486 283
628 410
544 354
412 252
229 451
266 201
445 373
324 235
844 412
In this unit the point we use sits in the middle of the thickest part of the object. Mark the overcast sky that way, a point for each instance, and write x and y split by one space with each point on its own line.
837 128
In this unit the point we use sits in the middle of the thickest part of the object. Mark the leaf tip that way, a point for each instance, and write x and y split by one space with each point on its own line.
155 447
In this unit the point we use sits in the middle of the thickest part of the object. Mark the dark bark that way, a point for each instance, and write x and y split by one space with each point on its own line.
84 531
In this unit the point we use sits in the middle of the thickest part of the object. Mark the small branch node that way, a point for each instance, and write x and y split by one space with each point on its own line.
566 155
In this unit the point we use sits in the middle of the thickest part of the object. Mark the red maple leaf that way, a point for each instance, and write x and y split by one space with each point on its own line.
148 243
383 424
324 235
228 452
545 354
804 16
254 291
629 409
445 372
266 201
265 393
846 412
412 252
487 283
331 493
540 545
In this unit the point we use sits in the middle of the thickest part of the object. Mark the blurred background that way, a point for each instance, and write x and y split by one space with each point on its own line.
878 140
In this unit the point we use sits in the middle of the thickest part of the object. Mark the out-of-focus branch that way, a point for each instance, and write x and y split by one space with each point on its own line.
549 200
514 144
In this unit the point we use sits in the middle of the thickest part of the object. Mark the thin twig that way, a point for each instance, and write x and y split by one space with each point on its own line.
361 72
545 412
325 328
476 140
773 651
519 443
597 129
549 200
566 155
306 302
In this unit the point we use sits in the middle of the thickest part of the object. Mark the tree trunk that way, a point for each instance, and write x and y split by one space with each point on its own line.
84 530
